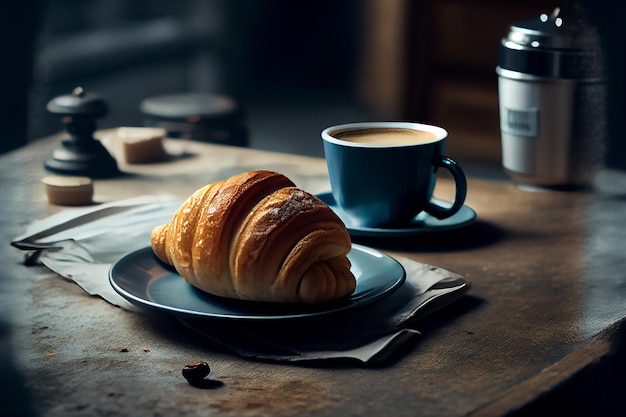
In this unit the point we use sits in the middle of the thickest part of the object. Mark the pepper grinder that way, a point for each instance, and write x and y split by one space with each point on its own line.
81 154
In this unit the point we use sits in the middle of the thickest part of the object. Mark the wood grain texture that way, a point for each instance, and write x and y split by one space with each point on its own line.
547 270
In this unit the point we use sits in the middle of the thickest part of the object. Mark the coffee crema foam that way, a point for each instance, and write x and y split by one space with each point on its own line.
386 136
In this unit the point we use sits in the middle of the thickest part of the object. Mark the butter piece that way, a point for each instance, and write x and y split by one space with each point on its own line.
68 191
141 145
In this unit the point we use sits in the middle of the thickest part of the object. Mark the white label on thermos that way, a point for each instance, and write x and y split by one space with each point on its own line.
519 122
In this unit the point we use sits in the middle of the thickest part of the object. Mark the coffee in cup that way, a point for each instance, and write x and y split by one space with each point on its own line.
383 174
386 136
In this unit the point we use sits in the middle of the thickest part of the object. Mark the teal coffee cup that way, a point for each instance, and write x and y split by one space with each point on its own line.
382 174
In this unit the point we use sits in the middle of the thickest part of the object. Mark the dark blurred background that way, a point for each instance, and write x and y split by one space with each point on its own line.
295 67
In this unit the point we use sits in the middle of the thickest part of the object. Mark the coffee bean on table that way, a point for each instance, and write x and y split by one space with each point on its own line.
195 372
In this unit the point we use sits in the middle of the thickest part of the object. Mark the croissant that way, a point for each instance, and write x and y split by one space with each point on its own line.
256 236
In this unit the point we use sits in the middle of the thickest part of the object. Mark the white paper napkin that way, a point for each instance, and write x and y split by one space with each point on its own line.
82 244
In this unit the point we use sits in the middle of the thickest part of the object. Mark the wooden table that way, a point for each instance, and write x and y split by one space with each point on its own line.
540 328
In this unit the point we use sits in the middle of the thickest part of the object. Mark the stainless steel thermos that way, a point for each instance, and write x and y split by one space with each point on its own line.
552 102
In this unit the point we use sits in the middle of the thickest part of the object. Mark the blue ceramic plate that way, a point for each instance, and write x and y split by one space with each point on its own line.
423 223
142 279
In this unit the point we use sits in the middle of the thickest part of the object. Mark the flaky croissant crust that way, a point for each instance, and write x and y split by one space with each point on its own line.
256 236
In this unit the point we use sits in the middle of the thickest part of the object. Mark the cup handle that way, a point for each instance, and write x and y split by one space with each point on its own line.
441 212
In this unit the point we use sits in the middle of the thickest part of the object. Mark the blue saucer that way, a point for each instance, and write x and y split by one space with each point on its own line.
423 223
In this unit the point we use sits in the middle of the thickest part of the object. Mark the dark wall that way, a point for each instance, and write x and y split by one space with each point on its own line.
310 43
608 16
19 21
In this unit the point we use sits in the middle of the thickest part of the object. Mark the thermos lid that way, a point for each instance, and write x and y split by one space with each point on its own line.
553 46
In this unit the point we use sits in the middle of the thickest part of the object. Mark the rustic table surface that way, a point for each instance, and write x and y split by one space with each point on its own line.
540 327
